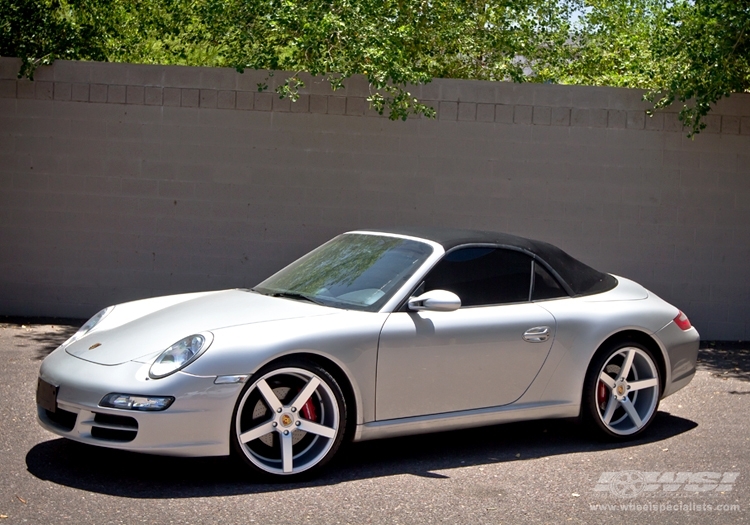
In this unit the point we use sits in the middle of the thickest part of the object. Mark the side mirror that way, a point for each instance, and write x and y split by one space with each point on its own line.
435 301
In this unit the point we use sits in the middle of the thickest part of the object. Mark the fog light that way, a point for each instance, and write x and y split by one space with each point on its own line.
128 402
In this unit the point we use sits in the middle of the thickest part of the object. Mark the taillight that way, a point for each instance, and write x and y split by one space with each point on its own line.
682 321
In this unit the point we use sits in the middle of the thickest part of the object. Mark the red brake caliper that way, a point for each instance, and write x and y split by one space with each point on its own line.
308 411
601 393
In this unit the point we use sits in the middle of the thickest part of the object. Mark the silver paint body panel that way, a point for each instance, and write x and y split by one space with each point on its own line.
409 372
437 362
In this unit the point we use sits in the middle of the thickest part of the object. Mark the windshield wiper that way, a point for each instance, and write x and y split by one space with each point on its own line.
293 295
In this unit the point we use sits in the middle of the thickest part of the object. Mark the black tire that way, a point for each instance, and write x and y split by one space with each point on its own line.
283 438
621 406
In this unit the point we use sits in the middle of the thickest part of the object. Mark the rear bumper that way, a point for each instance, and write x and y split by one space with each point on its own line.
681 347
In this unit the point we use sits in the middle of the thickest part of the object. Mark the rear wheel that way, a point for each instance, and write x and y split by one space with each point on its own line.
621 391
289 420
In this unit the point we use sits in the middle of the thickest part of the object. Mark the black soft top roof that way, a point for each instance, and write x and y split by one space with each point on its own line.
576 277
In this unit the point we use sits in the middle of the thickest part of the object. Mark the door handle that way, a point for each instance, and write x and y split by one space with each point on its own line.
538 334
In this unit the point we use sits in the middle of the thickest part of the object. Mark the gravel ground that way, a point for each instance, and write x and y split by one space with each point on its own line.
537 472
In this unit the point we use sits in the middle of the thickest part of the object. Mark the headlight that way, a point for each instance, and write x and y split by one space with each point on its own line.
180 354
88 326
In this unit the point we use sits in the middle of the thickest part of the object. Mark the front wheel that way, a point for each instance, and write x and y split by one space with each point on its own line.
621 391
290 419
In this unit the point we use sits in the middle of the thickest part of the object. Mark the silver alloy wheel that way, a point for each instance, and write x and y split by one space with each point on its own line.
627 391
287 421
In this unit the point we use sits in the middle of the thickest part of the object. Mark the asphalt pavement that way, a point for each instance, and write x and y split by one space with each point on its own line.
693 466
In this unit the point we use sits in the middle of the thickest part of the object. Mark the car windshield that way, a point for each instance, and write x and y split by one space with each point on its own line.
354 271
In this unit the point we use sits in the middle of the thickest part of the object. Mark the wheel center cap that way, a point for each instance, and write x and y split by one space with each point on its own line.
620 389
286 420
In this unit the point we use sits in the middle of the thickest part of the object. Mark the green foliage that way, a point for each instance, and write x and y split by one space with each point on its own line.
611 44
141 31
693 52
705 47
393 43
162 32
41 31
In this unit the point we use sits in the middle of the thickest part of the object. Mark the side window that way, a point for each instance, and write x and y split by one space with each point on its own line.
545 286
483 276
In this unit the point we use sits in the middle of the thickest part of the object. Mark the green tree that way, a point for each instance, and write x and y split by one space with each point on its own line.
140 31
689 52
611 44
41 31
392 42
693 52
705 47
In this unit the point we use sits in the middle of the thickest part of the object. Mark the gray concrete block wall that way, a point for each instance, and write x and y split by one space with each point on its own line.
125 181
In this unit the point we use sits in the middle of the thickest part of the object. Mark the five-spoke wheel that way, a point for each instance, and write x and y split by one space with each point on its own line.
289 419
622 390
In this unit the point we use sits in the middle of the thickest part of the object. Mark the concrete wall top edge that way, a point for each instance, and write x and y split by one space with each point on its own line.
439 90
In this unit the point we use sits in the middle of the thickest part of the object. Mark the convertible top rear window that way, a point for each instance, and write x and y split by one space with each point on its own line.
582 279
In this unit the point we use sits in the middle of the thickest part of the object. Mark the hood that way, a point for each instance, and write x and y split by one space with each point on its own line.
151 326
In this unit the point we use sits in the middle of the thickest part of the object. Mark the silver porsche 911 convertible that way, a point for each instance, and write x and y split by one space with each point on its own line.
374 334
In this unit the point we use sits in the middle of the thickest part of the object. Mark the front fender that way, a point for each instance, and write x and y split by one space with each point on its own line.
349 339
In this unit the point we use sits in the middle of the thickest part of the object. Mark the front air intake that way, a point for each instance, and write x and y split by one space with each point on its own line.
109 427
62 418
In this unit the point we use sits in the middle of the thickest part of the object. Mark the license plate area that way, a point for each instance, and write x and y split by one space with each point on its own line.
46 395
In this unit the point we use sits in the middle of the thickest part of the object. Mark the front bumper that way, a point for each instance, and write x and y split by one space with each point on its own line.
196 424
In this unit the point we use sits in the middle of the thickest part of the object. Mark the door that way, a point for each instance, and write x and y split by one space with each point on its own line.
485 354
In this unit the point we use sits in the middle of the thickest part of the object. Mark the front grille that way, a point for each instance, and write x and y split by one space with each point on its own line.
62 418
110 427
